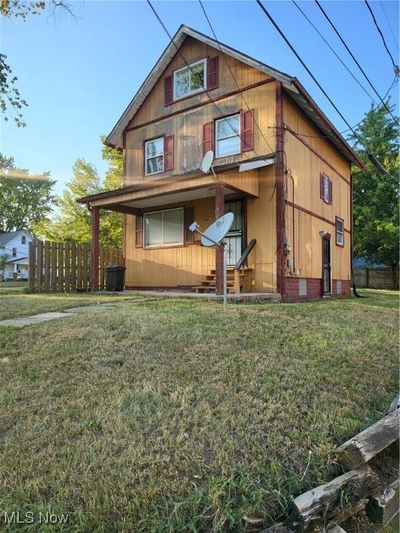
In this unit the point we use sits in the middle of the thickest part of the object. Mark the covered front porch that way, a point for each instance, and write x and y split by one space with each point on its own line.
177 260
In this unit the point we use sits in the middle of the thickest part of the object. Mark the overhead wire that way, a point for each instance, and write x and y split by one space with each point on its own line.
395 67
355 60
333 51
372 158
388 23
221 113
396 79
232 74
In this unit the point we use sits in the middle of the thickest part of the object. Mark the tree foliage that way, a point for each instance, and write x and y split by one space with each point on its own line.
11 102
25 199
73 221
376 195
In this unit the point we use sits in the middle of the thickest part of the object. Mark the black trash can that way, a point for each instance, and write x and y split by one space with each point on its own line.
115 278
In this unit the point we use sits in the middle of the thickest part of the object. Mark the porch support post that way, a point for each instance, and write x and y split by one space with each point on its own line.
95 249
219 251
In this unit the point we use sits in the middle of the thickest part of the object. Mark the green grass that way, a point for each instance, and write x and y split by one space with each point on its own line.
169 415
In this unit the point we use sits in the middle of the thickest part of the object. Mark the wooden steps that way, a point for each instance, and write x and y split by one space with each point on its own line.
208 284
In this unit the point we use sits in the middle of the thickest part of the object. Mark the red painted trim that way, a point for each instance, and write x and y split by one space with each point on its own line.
280 190
313 214
336 232
315 152
95 249
200 104
219 251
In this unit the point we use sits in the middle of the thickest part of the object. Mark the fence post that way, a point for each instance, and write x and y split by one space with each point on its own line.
31 267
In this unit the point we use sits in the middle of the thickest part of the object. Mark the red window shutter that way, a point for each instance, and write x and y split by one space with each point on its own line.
208 137
169 152
168 90
330 191
247 134
212 72
188 218
139 231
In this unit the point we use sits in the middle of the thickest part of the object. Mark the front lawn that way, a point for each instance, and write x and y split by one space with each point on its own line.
169 415
15 303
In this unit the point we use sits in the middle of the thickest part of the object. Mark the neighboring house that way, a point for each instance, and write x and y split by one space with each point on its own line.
15 245
280 166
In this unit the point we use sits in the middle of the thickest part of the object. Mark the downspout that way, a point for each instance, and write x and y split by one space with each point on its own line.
280 192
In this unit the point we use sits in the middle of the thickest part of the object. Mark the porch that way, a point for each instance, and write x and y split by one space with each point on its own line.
180 264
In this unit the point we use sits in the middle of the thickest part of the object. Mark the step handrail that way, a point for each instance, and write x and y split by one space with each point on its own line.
245 254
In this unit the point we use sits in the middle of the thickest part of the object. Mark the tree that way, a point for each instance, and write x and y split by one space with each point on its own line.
376 195
73 221
10 98
25 199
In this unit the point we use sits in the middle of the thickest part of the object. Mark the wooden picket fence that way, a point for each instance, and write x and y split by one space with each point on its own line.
65 266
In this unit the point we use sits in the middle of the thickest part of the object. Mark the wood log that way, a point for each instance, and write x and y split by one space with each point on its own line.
336 500
364 446
382 508
335 529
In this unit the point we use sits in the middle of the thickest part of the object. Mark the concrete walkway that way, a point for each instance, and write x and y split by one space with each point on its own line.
240 297
44 317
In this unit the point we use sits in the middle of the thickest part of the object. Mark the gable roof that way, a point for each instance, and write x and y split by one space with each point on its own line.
290 84
8 236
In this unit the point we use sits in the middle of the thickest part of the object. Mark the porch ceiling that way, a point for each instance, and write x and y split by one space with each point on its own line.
176 197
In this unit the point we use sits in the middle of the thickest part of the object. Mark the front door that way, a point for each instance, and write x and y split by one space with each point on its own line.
326 265
234 238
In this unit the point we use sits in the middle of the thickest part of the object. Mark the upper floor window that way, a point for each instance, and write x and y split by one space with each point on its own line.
227 136
163 228
23 239
339 227
14 252
326 189
190 80
154 156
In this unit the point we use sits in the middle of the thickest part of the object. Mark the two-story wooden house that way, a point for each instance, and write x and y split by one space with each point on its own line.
280 166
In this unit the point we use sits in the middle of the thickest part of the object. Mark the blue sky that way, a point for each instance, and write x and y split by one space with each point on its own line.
78 74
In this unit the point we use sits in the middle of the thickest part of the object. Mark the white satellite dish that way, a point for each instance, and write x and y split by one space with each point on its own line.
215 233
214 236
207 162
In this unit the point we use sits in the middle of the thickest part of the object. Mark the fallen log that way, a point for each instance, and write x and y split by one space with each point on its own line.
364 446
337 500
383 508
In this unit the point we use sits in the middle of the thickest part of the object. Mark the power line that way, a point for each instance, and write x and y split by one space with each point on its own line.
396 79
370 156
221 113
334 52
395 67
355 60
388 23
232 74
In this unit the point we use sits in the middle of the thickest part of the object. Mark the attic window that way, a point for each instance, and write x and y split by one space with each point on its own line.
190 80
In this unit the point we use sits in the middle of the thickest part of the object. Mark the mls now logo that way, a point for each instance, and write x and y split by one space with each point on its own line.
29 517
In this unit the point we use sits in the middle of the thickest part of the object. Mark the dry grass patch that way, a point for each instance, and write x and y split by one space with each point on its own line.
172 416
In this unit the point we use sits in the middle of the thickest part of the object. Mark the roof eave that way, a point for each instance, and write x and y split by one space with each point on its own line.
351 155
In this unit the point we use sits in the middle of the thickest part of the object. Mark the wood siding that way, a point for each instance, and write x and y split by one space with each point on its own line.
185 121
306 208
187 265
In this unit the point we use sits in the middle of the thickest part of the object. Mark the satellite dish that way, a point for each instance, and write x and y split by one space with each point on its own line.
207 162
218 229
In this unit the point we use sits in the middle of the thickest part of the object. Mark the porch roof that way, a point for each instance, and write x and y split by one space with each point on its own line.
175 189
